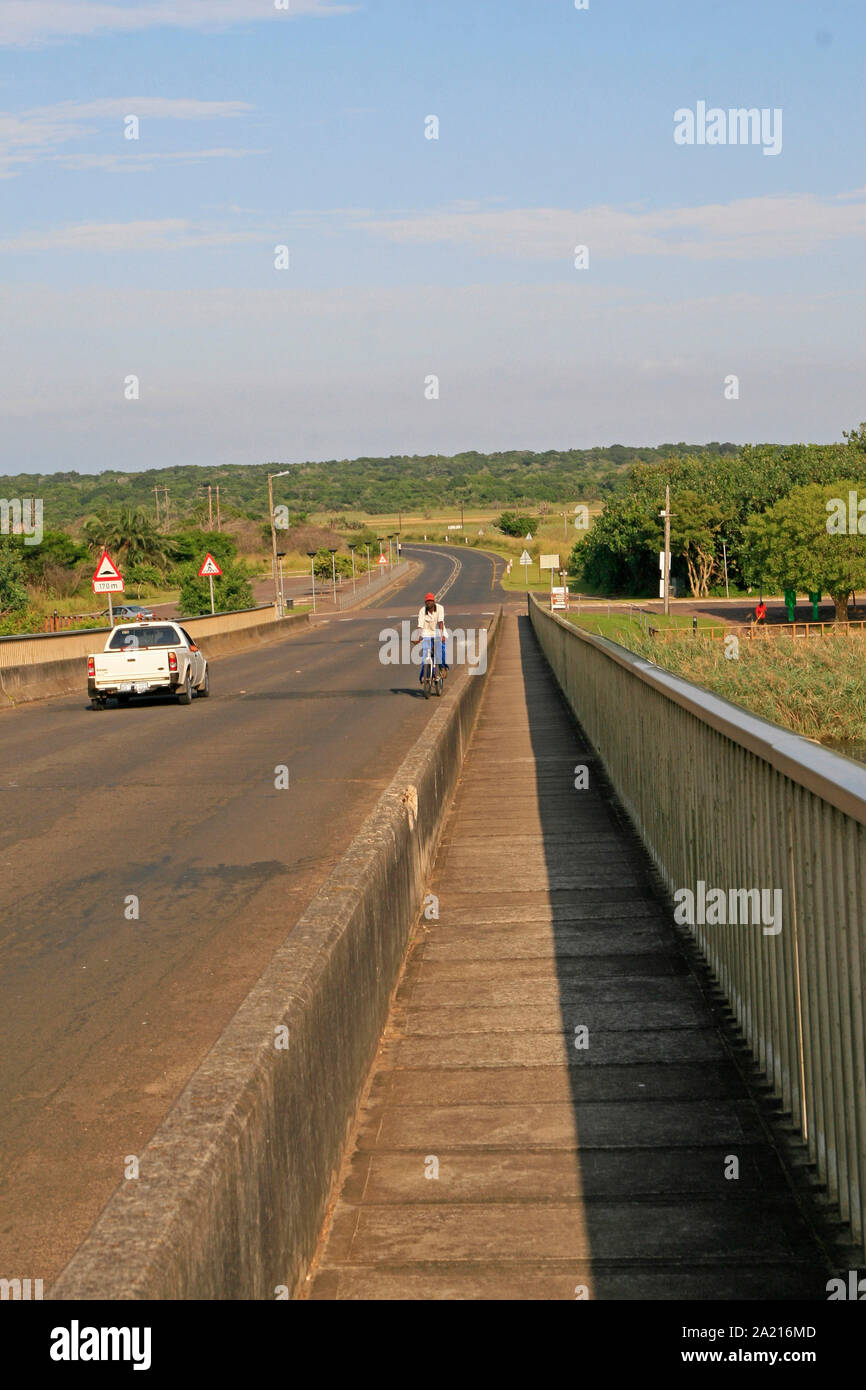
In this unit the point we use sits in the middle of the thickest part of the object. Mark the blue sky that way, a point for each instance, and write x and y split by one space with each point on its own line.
412 257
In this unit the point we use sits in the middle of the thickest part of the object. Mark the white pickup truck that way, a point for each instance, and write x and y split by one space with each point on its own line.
157 658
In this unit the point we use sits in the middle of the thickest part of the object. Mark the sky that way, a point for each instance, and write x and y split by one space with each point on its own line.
431 300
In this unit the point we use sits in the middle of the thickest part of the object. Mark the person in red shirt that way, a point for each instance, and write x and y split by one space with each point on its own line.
760 611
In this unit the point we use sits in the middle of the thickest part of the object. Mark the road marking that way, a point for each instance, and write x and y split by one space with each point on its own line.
456 567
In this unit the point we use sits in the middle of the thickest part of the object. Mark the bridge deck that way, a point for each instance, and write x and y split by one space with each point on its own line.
558 1167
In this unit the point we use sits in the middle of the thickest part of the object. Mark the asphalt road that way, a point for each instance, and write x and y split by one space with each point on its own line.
173 812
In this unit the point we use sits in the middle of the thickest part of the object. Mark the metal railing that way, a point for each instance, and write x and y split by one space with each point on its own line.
363 587
725 799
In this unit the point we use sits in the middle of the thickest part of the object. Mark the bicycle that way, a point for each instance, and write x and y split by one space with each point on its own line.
431 675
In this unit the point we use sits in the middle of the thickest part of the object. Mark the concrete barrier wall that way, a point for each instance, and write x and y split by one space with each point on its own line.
235 1184
41 670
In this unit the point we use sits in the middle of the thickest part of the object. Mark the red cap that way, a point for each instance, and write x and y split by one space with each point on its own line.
429 596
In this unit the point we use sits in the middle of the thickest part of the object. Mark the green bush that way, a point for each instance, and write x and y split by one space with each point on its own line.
231 591
514 524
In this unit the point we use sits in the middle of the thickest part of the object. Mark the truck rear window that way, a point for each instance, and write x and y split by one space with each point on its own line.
138 636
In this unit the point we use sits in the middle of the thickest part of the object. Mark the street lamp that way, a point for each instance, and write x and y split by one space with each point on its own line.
354 589
381 540
312 555
369 575
280 554
333 550
390 538
271 477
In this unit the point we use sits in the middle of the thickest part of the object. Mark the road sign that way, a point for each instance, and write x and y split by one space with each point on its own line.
383 559
107 578
526 558
549 562
558 596
210 566
528 536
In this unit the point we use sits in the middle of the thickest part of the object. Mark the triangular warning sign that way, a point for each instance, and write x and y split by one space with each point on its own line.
210 566
106 569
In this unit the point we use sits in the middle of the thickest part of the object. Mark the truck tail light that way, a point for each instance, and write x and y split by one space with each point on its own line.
172 661
91 666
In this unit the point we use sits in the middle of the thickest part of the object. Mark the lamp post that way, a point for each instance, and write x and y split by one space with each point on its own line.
280 554
354 587
333 550
381 540
312 555
271 477
369 575
390 538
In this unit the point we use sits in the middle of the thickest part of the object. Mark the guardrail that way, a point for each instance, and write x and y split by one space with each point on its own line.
732 802
363 587
32 648
762 632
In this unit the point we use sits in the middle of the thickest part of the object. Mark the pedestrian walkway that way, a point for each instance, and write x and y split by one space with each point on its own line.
555 1111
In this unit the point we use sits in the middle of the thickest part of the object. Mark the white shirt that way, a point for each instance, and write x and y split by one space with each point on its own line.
428 623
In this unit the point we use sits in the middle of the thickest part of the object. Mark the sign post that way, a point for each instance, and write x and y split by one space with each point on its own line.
210 568
107 579
526 561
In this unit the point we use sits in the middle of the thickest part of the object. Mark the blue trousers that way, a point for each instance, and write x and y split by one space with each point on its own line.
426 649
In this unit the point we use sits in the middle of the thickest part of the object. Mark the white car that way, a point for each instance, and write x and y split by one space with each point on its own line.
158 658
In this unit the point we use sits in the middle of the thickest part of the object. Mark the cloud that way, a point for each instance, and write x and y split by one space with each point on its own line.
746 229
235 376
168 234
144 163
27 23
36 134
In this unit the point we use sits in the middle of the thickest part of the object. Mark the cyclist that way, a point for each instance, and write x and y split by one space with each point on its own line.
431 618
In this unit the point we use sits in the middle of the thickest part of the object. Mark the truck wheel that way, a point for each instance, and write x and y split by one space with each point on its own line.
184 696
97 704
203 690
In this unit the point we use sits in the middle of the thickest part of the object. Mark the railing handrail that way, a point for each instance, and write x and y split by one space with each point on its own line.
83 631
831 776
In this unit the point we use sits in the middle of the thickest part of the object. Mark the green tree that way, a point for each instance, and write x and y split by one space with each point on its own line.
793 546
128 534
515 524
620 553
232 591
695 529
13 594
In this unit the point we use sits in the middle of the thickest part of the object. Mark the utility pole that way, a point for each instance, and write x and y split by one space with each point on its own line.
667 560
156 495
219 518
209 508
167 512
725 554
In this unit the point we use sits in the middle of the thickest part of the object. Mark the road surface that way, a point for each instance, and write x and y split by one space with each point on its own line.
172 813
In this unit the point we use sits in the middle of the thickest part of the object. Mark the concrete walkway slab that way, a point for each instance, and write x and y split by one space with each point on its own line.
555 1107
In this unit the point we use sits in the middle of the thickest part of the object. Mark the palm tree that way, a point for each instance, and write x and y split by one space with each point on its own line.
128 534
